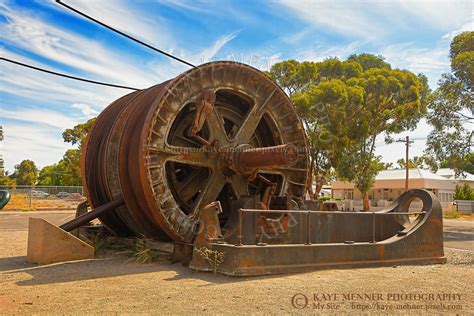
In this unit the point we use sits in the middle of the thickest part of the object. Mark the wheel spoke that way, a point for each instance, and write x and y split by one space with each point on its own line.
253 118
216 127
239 185
191 185
183 141
215 183
248 128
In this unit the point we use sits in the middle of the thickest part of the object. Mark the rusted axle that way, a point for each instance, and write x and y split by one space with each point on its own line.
81 220
248 160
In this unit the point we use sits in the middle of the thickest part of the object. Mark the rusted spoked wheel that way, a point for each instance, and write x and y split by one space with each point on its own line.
140 149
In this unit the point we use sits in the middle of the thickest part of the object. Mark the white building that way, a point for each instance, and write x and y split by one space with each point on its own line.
389 184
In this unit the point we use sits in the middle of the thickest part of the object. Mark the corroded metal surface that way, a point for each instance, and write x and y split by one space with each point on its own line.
339 240
151 148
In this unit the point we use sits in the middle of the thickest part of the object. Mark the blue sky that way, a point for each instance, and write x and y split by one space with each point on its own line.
35 108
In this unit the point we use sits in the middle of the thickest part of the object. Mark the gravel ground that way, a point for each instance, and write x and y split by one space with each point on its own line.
113 284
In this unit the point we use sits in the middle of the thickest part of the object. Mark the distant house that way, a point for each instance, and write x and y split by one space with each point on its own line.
461 179
389 184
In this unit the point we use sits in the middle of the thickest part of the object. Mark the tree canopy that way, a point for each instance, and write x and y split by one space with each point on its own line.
67 171
451 107
345 105
26 173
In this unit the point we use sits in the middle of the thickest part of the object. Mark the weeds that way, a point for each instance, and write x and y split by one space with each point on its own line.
143 253
136 248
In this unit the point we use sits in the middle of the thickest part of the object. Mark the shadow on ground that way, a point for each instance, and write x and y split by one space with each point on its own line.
105 267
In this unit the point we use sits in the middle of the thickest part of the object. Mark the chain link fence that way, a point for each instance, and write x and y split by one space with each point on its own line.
48 189
29 198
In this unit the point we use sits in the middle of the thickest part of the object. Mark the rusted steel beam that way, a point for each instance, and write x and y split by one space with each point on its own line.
83 219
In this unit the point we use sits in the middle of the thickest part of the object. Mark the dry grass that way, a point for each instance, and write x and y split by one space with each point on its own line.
452 214
21 202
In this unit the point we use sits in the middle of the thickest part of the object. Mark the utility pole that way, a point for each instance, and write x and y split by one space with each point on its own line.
407 142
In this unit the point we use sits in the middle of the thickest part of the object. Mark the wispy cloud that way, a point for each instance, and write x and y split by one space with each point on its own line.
36 36
468 26
48 89
376 19
320 53
40 116
86 110
209 53
342 17
39 143
416 59
130 17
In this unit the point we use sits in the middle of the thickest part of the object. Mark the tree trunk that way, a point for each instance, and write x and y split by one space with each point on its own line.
319 186
366 202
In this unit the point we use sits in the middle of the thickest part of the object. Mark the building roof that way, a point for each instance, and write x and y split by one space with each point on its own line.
395 179
415 173
449 173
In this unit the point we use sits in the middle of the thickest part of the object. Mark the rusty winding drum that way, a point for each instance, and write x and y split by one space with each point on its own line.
170 149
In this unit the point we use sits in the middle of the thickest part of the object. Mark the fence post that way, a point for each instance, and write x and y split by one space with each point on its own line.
31 198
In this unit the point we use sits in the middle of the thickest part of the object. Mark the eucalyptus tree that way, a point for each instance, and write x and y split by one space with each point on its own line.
451 107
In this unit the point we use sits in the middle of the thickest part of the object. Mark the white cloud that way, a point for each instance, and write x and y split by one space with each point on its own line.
393 152
439 14
320 53
30 33
86 110
37 86
194 6
127 17
41 116
431 62
341 17
209 53
39 143
469 26
375 19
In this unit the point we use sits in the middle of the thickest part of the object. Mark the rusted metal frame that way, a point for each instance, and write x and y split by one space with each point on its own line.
334 212
373 227
308 228
239 236
308 235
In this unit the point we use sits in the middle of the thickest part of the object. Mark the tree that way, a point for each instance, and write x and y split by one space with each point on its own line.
72 167
71 161
345 106
293 76
463 193
26 173
466 166
416 162
452 106
78 133
368 61
389 102
53 174
7 181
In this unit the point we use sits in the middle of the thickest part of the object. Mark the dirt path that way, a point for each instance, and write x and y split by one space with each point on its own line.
114 284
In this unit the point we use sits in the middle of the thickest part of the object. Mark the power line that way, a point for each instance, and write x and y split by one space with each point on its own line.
67 76
126 35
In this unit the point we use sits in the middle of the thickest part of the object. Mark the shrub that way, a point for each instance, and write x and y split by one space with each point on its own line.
452 214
